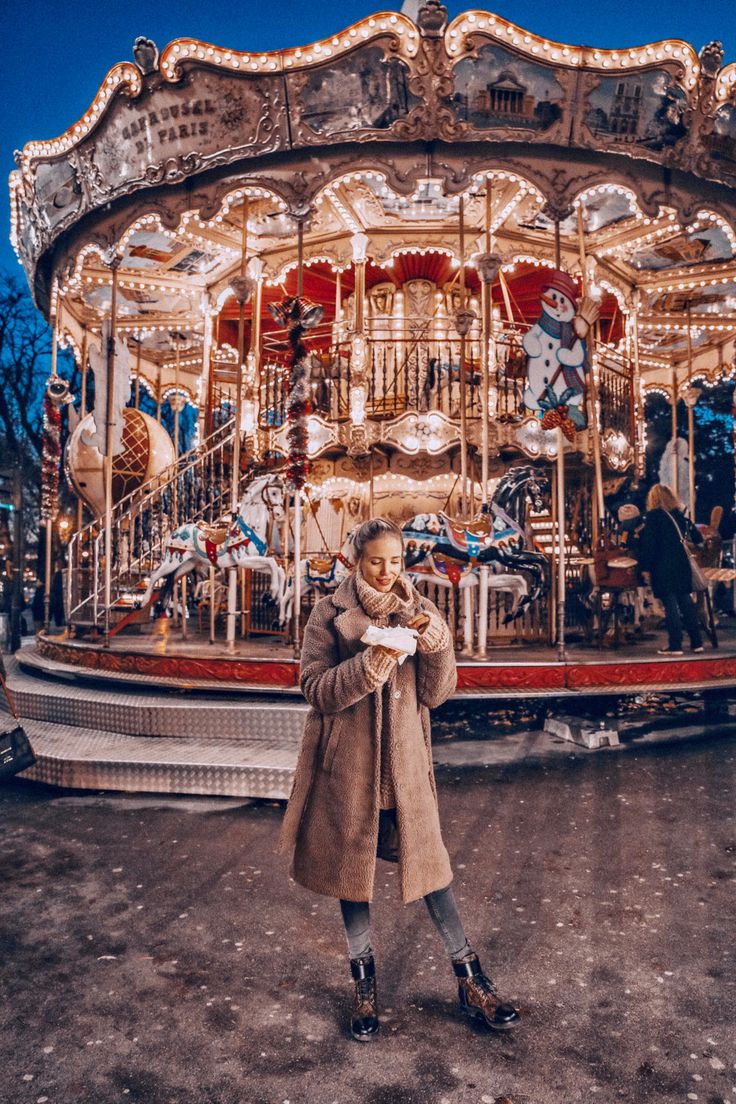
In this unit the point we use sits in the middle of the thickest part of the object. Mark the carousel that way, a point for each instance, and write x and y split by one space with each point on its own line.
426 270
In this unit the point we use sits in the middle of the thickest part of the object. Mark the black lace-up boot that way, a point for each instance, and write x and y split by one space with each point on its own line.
478 996
364 1018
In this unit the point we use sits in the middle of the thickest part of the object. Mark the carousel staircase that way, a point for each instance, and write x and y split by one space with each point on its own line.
142 522
134 737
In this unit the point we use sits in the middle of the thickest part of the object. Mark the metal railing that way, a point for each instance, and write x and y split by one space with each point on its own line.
412 369
195 488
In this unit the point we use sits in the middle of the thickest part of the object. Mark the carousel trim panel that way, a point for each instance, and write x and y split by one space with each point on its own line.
169 118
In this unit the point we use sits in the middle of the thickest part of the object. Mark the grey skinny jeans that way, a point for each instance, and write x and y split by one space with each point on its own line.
442 908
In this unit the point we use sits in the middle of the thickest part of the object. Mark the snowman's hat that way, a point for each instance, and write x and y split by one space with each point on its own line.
560 281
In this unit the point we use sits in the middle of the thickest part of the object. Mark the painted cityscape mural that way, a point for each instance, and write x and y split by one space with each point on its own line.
364 91
644 109
499 89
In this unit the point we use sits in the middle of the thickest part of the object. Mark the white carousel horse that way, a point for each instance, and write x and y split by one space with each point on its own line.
322 572
244 544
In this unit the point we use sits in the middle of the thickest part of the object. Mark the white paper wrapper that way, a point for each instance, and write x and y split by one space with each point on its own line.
399 638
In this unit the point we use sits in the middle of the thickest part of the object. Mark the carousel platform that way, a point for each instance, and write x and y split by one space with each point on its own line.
95 728
268 666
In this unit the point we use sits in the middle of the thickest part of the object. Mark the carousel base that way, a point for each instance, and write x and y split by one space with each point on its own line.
130 718
267 665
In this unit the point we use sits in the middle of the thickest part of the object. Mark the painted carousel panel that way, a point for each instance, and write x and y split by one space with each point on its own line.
366 90
498 89
646 109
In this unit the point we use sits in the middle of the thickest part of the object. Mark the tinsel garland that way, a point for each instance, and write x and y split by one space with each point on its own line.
297 315
50 459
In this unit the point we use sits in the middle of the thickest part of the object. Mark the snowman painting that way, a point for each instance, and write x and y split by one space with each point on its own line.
557 358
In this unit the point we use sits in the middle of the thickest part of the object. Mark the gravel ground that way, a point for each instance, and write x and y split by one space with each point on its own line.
154 949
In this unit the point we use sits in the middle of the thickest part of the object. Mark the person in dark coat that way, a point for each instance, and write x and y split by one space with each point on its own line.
663 559
364 783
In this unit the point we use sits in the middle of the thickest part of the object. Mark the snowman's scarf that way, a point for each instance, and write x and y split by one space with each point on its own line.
564 332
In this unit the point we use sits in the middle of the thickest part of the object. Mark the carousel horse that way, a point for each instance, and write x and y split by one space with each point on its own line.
448 551
322 572
425 563
242 543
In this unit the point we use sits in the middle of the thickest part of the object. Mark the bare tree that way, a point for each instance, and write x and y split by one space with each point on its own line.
25 363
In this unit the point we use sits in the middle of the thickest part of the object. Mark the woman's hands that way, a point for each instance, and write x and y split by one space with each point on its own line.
418 622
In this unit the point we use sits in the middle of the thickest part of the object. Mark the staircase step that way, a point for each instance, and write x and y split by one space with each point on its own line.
82 758
136 709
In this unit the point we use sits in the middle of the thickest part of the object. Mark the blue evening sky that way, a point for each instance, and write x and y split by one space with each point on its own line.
56 55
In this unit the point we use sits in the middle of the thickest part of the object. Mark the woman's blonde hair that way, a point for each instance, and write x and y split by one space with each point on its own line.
662 497
371 530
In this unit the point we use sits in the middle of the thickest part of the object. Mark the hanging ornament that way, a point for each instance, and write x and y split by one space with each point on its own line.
297 315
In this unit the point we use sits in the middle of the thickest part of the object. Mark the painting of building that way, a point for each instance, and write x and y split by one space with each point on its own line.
365 91
498 89
647 110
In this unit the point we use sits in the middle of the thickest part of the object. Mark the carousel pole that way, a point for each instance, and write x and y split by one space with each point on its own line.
487 350
175 485
675 480
138 342
49 526
205 408
592 394
561 555
297 490
462 324
257 267
637 405
82 414
239 286
158 394
114 265
210 400
690 414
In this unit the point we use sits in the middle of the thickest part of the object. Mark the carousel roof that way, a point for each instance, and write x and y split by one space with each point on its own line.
381 130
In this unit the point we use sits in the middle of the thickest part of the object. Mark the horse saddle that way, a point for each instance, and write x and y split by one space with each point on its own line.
318 565
469 538
215 534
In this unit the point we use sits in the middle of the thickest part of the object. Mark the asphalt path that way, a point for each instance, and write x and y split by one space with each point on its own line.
154 949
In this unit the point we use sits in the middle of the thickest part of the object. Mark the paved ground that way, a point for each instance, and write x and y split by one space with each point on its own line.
155 951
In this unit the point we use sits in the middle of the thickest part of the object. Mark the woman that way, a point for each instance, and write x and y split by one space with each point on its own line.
364 784
663 559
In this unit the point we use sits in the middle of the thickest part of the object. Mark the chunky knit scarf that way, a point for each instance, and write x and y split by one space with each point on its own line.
380 604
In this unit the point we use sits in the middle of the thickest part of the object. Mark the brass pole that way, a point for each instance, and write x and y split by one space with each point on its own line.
232 587
255 344
592 398
463 331
108 447
561 554
235 475
139 342
82 414
675 480
638 413
300 258
486 292
690 416
49 520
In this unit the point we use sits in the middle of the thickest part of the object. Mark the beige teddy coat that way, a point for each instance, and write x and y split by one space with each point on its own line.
331 819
